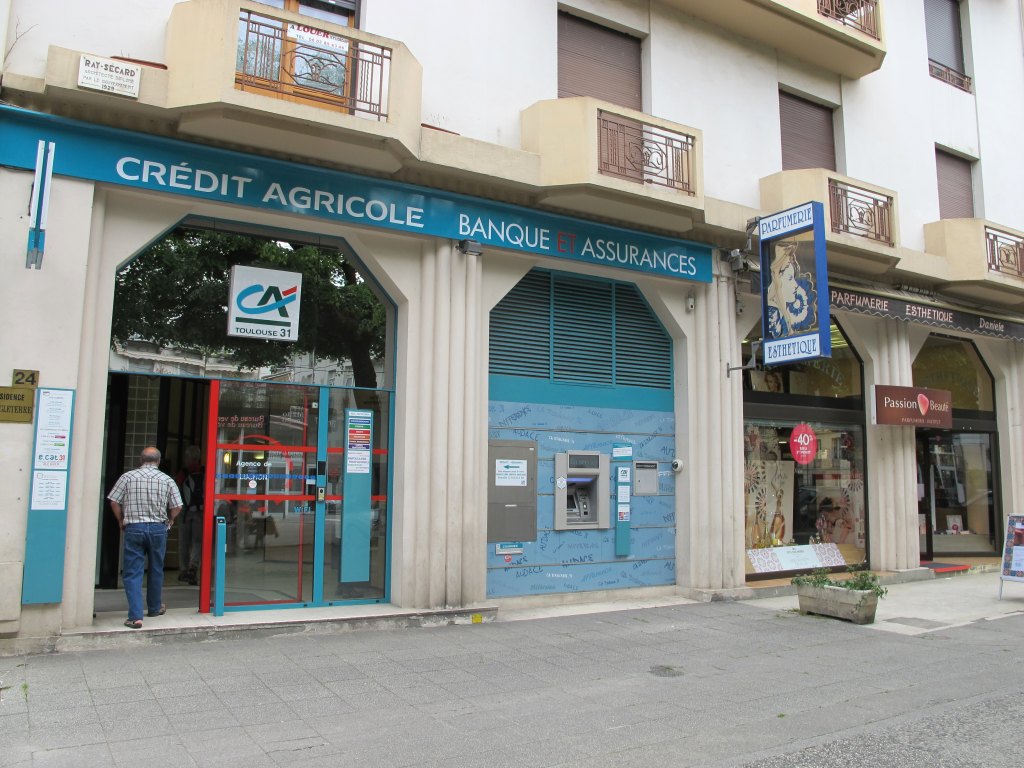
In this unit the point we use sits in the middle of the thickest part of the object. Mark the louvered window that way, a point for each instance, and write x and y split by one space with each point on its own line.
578 331
599 62
956 193
942 26
808 139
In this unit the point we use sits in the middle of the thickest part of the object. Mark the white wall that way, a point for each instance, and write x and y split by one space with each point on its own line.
138 32
483 62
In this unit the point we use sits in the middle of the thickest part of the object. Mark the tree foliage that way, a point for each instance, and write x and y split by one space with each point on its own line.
175 295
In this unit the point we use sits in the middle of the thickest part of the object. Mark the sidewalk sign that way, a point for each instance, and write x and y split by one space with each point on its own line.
1013 552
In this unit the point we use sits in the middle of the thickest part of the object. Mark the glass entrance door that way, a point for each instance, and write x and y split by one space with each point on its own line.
955 490
299 474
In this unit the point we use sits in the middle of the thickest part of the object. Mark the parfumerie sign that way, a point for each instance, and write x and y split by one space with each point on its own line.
109 76
913 407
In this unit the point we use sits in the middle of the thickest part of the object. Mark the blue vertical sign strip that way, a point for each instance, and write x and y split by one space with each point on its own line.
622 463
356 512
46 537
320 506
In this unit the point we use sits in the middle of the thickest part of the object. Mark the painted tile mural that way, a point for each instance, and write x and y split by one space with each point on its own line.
583 560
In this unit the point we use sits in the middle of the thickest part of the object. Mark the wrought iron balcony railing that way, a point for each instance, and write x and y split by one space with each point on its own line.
1005 252
860 212
306 64
949 75
644 153
861 15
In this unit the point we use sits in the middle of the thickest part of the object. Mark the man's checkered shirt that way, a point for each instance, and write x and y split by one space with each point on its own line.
145 494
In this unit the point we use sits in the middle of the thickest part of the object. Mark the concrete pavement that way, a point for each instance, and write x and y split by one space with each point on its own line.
679 683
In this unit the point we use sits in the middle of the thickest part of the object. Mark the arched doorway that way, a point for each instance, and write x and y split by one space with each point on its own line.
268 417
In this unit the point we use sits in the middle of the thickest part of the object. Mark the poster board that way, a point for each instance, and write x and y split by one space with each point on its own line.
1013 552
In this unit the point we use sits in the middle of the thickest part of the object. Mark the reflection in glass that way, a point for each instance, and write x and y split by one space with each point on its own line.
955 365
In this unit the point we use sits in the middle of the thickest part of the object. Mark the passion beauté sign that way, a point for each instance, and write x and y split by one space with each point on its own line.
141 161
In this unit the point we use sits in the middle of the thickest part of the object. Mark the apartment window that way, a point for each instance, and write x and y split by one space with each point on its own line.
807 134
956 192
945 42
341 12
599 62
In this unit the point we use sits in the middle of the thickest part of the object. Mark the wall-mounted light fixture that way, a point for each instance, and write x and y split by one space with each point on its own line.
470 247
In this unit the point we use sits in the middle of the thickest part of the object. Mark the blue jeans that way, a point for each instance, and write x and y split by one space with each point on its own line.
144 541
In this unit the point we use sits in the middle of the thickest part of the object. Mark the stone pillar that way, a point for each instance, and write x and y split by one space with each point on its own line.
441 432
710 528
888 350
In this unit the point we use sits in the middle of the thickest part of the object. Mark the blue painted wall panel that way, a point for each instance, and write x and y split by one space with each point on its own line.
581 560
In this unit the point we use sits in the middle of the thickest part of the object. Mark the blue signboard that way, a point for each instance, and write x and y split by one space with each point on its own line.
795 319
147 162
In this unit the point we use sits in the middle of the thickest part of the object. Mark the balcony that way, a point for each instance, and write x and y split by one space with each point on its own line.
242 73
980 261
861 232
600 159
840 36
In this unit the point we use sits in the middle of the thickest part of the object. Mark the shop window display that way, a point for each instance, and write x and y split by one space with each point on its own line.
804 492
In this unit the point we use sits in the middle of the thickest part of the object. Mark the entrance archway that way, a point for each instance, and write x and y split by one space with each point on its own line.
178 380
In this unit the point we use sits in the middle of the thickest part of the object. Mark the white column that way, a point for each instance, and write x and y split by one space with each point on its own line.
714 402
888 352
441 536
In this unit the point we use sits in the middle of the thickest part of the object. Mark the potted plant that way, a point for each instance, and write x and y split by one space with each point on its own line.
853 599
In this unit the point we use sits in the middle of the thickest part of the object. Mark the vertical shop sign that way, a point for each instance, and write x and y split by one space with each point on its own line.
43 577
356 508
795 319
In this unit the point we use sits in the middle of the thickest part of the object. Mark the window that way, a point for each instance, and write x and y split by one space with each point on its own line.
955 365
945 42
574 330
599 62
312 61
807 134
956 193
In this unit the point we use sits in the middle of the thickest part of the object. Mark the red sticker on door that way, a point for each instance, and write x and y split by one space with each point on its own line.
803 444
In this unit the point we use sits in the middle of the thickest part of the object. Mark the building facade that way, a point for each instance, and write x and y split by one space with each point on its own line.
523 239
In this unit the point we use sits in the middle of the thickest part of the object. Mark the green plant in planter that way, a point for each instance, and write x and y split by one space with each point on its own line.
861 580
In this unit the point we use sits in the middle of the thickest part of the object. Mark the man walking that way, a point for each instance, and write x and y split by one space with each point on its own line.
145 502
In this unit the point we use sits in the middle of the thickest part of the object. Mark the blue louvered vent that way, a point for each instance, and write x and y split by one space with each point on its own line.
574 330
582 336
643 351
521 329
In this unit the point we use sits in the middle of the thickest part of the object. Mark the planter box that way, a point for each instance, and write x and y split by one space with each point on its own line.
853 605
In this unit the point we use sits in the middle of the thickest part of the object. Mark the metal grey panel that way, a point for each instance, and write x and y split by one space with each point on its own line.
512 504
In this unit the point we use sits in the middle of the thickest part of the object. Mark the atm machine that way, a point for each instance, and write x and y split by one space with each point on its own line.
582 498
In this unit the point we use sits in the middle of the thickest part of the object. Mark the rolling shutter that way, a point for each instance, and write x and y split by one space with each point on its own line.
582 334
808 139
942 25
599 62
956 192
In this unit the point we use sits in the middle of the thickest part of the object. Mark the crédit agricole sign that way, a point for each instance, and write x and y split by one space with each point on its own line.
146 162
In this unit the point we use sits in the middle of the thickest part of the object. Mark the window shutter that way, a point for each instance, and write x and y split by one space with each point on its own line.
942 25
599 62
643 351
582 333
579 331
956 192
808 139
521 329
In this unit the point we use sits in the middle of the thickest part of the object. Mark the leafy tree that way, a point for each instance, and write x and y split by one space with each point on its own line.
175 295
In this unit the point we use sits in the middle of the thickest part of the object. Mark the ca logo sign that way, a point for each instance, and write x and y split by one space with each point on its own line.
272 298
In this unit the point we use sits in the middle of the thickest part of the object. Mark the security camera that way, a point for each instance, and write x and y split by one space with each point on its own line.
740 308
677 465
